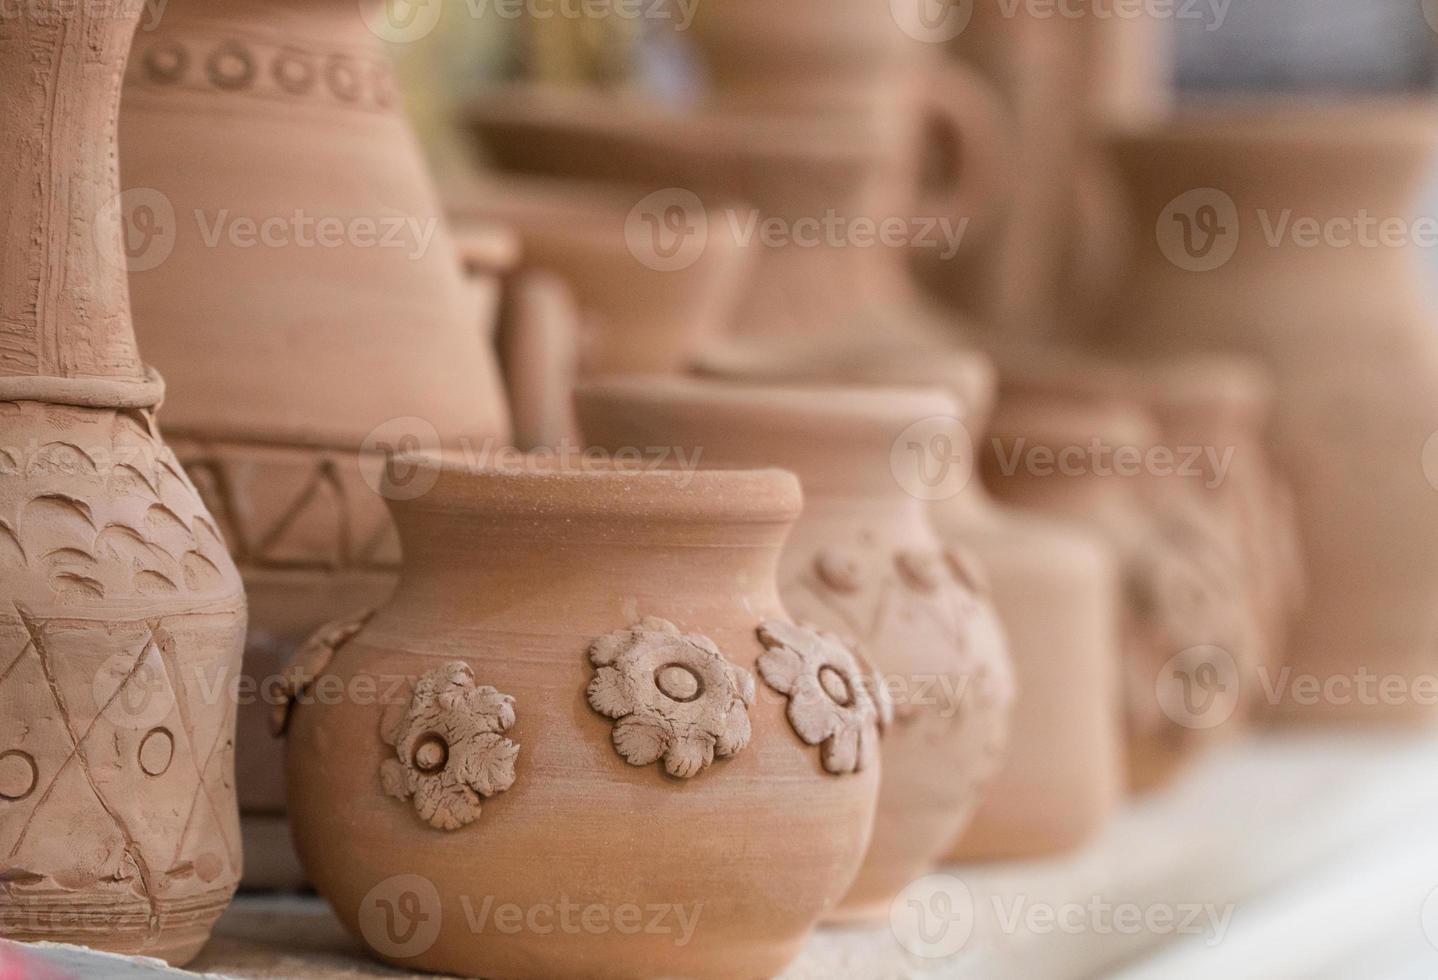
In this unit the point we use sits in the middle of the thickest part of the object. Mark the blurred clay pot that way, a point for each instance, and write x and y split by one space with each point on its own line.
1055 587
823 198
122 617
1261 248
637 317
293 278
598 660
1190 638
864 562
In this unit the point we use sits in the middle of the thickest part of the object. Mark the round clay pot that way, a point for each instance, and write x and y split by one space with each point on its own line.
864 562
1188 618
597 659
122 617
1055 587
1353 407
294 280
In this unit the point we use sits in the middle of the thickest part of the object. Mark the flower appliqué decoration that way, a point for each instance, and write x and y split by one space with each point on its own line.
673 696
450 750
833 701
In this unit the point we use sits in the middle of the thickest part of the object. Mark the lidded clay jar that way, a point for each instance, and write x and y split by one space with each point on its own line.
592 696
122 617
865 563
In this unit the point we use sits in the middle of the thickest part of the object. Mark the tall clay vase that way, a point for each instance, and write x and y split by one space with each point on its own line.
123 617
865 563
1339 316
294 280
1056 588
598 660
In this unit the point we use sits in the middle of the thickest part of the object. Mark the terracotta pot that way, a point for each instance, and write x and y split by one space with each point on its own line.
257 136
636 318
1055 587
1190 636
123 617
864 562
829 196
593 648
1353 408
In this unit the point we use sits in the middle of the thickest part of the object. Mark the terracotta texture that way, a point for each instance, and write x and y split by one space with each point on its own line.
289 350
1353 410
565 702
123 615
864 563
1186 606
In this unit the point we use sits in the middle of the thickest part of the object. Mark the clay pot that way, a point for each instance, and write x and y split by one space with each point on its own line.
864 562
597 659
1353 408
827 194
258 136
123 617
1191 641
637 318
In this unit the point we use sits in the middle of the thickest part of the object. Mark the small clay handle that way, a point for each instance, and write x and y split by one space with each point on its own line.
308 663
963 104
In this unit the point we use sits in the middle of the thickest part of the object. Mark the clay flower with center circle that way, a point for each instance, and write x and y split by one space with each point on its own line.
833 702
449 747
673 696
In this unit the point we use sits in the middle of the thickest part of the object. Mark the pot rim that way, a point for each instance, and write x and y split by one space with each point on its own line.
551 485
1292 121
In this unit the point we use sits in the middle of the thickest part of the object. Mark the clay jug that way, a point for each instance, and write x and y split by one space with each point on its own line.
865 563
582 700
1189 639
1273 231
1054 585
294 279
123 617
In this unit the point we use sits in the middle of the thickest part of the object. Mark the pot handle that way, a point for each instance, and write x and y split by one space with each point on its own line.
309 661
968 112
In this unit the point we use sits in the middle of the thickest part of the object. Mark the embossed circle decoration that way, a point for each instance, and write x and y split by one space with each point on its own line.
343 79
294 72
167 63
157 751
231 67
18 775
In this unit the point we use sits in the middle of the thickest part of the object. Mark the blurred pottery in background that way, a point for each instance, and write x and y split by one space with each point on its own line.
1054 585
1190 638
123 615
1249 225
636 316
864 563
822 200
589 664
293 278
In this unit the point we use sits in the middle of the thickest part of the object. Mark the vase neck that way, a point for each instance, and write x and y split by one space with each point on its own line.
64 297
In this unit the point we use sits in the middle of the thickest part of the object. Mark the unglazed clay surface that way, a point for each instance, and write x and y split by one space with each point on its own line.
863 564
121 614
620 612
